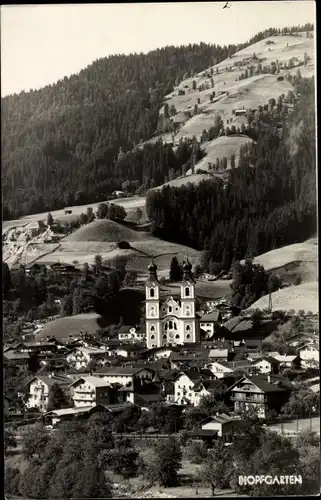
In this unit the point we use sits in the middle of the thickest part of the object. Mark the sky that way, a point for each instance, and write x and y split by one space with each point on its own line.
41 44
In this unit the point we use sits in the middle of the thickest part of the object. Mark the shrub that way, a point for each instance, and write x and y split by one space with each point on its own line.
196 451
297 280
124 245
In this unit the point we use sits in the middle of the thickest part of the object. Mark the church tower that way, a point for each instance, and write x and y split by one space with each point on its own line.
188 310
153 334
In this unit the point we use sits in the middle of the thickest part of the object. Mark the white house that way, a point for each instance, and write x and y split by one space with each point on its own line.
209 320
288 361
189 387
39 388
171 321
124 375
90 391
309 354
267 364
80 357
131 334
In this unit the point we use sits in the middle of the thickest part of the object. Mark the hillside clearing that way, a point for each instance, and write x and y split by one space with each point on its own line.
105 230
301 257
130 205
304 296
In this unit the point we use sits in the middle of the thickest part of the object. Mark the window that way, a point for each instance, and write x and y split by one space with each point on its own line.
171 325
188 336
152 337
188 327
152 328
187 291
170 309
166 326
152 311
152 292
164 336
177 336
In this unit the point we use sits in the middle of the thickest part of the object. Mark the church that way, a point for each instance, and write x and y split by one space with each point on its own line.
171 321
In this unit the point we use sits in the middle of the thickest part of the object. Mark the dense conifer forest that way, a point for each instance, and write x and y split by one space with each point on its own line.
60 144
257 209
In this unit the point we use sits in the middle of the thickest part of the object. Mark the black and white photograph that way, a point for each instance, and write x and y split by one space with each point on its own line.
160 312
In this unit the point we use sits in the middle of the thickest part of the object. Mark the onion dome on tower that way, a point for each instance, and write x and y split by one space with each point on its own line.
152 270
187 270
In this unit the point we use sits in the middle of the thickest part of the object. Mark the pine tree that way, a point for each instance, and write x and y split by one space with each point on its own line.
175 273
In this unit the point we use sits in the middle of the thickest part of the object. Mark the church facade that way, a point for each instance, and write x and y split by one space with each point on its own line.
171 321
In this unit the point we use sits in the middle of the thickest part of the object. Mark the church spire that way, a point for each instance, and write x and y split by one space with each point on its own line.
152 270
187 270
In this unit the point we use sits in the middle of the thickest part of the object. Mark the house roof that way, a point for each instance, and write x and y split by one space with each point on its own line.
10 355
209 384
210 317
218 353
202 432
50 381
259 381
119 370
285 358
125 328
309 343
69 411
142 399
94 381
270 359
222 418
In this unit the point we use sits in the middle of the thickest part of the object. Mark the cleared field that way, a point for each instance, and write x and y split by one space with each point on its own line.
129 204
71 325
138 256
250 92
299 257
188 179
106 231
220 147
304 296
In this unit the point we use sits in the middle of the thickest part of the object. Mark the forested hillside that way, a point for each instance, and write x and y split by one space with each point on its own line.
60 144
258 209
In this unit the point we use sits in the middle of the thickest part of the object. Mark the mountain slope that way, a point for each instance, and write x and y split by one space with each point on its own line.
60 143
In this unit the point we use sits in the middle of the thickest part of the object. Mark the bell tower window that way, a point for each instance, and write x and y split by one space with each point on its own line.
187 291
152 292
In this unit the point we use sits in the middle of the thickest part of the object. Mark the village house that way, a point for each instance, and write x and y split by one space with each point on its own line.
220 368
298 339
259 393
191 385
90 391
55 417
124 375
130 333
309 354
21 360
209 320
222 423
39 387
288 361
267 364
126 351
80 357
